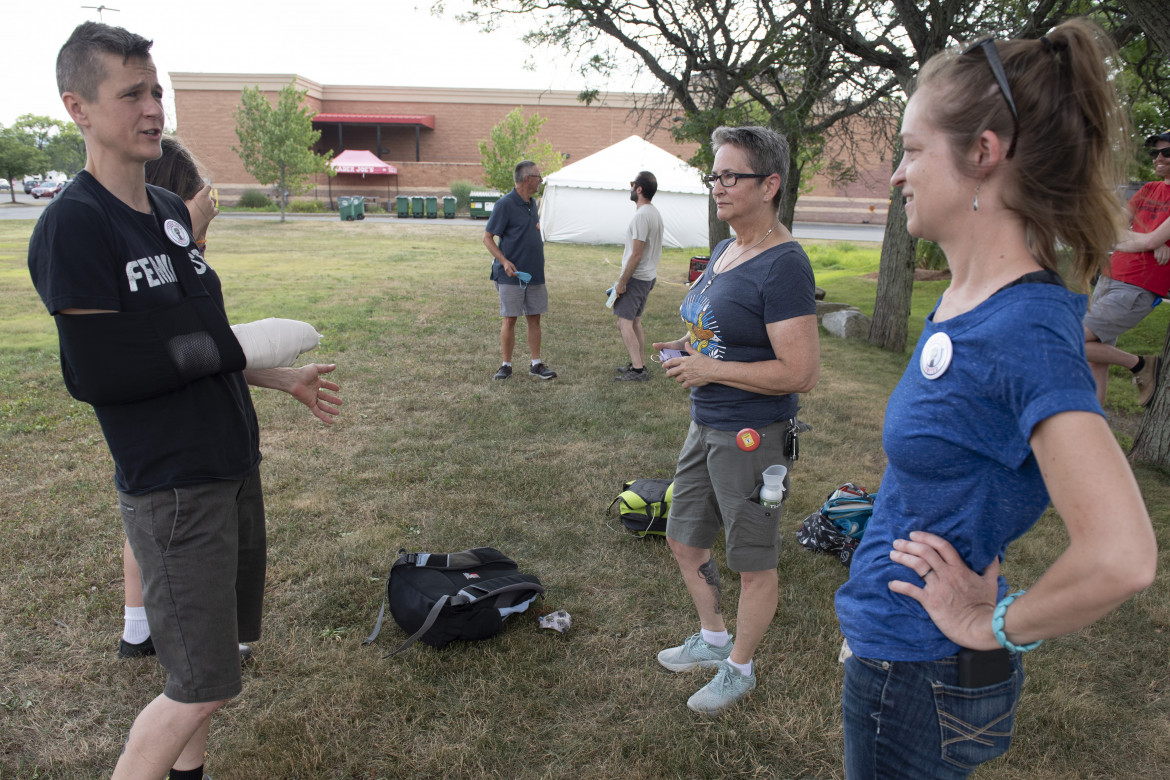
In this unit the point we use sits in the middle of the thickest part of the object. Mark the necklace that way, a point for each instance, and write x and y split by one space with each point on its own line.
715 271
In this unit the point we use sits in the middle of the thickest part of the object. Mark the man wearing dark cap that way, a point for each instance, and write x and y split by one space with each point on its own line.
1137 280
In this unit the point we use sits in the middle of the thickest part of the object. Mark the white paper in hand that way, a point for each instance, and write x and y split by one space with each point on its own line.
273 342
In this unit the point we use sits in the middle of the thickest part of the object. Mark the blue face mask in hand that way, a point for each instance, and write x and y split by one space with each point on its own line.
524 278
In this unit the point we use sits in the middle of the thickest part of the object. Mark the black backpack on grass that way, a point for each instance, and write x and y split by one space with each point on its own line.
438 597
644 504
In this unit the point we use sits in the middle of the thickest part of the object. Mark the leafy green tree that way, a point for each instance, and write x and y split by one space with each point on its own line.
512 140
66 150
276 142
719 62
19 156
40 128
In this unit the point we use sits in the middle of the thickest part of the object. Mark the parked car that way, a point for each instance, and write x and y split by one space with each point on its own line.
48 189
4 185
31 183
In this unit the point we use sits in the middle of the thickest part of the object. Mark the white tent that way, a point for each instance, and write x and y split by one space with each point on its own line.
588 202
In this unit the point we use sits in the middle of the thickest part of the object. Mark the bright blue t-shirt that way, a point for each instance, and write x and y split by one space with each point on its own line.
727 316
960 463
517 224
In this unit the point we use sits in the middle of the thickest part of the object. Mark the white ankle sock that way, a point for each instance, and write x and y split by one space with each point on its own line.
716 638
135 629
744 669
536 361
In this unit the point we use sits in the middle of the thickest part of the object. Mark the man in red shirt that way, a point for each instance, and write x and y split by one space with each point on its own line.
1138 279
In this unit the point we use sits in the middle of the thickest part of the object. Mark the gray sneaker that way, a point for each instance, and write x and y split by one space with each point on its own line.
694 654
725 689
505 372
541 371
633 375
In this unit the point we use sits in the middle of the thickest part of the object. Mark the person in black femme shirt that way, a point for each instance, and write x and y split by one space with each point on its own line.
144 338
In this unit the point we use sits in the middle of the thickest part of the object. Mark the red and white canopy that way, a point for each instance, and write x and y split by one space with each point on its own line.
360 161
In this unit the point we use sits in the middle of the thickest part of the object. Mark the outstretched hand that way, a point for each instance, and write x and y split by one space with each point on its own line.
959 600
316 392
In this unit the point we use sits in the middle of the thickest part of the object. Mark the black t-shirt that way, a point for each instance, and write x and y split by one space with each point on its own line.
90 250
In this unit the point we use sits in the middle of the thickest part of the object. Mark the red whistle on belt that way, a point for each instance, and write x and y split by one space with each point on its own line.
747 439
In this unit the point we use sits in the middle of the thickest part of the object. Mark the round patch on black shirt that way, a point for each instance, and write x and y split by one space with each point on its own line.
176 233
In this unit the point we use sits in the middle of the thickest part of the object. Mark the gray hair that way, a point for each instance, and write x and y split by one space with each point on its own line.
766 150
523 168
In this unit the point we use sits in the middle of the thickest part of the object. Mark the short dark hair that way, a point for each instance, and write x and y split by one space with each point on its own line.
79 69
176 170
648 183
519 174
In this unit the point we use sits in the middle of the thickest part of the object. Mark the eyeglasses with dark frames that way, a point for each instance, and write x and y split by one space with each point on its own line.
730 178
1164 152
993 60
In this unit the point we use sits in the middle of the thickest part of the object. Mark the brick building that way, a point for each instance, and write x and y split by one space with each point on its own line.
431 136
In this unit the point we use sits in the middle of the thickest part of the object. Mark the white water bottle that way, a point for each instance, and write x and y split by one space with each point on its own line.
772 493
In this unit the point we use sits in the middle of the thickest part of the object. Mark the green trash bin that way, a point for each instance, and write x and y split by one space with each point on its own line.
482 202
432 207
348 207
402 203
448 207
417 206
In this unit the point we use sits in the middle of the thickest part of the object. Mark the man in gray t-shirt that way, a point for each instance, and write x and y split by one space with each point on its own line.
639 272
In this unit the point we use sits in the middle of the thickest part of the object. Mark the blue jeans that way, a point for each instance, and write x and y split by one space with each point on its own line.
911 720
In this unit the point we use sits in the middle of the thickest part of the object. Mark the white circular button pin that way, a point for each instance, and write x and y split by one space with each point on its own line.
176 233
936 356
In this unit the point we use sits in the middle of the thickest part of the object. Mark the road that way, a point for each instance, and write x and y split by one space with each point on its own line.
26 207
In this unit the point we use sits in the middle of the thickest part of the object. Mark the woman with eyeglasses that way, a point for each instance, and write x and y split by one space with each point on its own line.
751 346
1009 150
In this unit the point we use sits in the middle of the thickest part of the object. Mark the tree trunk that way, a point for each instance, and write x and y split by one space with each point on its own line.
717 229
791 192
891 309
1153 16
1152 442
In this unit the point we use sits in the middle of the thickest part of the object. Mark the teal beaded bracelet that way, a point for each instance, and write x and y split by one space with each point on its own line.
997 625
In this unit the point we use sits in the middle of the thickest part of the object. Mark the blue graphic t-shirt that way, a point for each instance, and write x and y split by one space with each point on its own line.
960 462
727 316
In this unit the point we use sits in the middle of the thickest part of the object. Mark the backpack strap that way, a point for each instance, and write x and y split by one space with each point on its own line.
469 595
404 559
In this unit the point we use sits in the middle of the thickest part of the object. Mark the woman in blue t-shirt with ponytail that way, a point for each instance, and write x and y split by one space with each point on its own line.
1009 150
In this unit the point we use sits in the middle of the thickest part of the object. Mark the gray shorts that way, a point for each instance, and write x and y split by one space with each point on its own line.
718 484
517 301
631 303
202 553
1115 308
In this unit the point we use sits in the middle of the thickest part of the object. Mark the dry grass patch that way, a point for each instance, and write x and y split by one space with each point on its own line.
434 455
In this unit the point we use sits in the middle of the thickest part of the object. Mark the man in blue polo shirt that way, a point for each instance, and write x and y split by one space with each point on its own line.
518 267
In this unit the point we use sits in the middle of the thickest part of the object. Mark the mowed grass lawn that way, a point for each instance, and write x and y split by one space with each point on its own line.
432 455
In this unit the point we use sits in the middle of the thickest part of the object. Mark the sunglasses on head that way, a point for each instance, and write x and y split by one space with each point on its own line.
1164 152
987 46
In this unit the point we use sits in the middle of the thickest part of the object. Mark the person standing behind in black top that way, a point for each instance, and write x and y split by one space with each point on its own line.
178 172
144 338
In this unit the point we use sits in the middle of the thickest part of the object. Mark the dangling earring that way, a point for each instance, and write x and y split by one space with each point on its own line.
975 204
